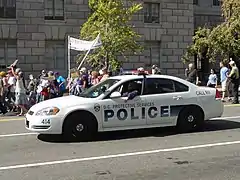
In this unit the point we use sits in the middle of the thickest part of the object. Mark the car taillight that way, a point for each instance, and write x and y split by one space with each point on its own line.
218 94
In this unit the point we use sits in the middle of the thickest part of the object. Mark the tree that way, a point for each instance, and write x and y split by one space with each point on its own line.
222 40
200 45
111 19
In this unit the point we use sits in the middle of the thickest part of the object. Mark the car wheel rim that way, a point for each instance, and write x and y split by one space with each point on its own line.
190 118
79 127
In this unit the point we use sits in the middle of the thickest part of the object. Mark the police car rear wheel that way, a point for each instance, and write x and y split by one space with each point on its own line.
190 119
79 129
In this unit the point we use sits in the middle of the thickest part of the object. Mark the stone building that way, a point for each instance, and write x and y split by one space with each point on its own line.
207 13
35 32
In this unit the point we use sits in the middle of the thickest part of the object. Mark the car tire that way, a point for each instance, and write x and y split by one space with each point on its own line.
79 126
190 119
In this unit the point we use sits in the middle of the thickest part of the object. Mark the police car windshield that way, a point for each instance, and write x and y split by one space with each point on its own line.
97 90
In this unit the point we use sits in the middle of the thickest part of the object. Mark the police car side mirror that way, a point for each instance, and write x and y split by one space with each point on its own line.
115 95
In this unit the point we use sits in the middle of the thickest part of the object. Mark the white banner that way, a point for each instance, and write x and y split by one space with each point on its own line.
81 45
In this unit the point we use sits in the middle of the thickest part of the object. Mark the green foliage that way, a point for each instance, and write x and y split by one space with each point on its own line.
223 40
220 41
230 9
111 18
200 45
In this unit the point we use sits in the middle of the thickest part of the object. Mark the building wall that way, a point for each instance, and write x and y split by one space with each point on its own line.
206 13
166 40
40 43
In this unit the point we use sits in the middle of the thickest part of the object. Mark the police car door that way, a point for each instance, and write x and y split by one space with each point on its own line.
161 93
120 112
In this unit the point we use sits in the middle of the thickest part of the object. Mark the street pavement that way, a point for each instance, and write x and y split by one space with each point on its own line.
155 154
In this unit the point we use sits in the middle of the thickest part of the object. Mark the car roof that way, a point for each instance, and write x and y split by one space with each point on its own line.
129 77
132 77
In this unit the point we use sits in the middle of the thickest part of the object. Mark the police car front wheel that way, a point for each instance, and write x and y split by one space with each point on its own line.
190 119
80 126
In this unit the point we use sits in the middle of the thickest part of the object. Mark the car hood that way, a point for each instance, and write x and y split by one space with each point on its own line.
62 102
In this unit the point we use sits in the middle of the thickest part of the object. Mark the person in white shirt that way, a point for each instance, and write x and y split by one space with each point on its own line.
21 97
11 87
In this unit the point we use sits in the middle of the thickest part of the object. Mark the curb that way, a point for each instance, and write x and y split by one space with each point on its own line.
232 105
11 119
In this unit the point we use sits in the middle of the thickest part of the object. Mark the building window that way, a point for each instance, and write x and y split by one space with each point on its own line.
151 12
55 55
8 52
7 8
216 2
152 53
195 2
54 9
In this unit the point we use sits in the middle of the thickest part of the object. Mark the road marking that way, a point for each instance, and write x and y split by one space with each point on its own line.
116 155
13 135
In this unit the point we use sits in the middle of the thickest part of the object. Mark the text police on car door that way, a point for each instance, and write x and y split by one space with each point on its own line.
123 114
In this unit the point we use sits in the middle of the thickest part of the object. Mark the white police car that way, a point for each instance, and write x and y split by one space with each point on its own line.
127 102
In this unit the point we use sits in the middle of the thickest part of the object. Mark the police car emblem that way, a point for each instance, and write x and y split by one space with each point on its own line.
97 107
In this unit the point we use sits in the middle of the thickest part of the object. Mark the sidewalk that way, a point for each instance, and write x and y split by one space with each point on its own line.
227 104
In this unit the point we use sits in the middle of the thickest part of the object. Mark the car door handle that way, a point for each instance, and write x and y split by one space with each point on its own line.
177 97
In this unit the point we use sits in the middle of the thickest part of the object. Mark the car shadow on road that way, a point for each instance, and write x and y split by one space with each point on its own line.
220 125
112 136
210 126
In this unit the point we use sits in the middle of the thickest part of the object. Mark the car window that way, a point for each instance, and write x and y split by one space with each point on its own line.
129 86
158 86
99 89
179 87
134 85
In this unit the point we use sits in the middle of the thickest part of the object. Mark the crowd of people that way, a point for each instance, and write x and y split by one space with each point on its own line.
228 80
84 79
18 95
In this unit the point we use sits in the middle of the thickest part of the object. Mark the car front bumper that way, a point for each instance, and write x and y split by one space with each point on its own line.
44 124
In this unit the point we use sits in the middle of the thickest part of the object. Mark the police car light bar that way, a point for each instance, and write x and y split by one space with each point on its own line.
141 71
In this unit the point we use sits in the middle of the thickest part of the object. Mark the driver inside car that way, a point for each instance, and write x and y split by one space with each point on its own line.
132 91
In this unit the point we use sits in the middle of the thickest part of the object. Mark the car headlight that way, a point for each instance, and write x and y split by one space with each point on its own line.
49 111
